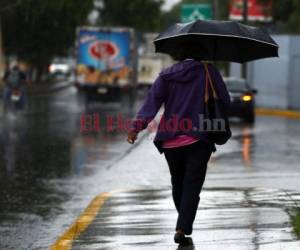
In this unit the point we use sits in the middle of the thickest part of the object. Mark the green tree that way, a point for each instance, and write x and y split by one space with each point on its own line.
38 30
286 15
143 15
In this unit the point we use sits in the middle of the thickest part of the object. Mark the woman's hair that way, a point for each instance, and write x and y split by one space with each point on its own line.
179 56
182 55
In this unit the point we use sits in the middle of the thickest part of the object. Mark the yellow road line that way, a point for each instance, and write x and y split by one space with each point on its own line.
278 112
65 241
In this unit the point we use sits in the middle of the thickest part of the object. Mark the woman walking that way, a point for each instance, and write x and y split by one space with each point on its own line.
180 135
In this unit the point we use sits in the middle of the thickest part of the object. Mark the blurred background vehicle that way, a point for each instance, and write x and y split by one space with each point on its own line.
60 66
242 99
150 64
106 62
16 100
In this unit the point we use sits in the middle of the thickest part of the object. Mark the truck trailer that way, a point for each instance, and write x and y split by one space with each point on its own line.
106 64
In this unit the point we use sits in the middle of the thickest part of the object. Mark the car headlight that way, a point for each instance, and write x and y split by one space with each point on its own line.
247 98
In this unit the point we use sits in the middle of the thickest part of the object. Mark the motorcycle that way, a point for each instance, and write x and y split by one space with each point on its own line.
14 100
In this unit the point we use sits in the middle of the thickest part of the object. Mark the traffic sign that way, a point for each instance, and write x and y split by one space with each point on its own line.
257 11
191 12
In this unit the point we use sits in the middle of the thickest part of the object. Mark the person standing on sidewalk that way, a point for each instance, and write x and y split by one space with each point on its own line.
187 149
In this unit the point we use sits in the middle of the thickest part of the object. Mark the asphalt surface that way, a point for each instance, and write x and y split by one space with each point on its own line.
227 219
50 171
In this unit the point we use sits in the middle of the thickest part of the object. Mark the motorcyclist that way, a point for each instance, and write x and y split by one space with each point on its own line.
14 79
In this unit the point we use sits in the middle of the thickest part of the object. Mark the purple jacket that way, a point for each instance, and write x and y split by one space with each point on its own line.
181 88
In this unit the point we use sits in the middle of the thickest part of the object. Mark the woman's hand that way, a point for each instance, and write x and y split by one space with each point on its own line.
131 137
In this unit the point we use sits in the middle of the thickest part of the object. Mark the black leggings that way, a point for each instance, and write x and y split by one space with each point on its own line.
187 166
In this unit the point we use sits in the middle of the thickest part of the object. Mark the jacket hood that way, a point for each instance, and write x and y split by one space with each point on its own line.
183 71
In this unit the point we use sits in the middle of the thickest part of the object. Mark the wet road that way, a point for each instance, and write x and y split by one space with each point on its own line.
50 171
44 158
228 218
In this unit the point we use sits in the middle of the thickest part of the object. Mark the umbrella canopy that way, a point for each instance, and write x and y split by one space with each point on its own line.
216 41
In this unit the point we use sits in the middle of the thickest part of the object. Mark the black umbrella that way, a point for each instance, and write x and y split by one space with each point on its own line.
216 41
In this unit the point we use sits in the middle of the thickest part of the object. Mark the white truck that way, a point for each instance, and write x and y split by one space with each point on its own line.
151 63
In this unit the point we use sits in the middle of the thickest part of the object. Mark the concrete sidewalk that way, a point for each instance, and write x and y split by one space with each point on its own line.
234 219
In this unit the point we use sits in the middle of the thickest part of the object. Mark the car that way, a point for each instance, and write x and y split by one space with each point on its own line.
242 99
60 66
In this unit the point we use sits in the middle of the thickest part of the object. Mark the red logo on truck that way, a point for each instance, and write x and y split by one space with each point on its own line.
103 50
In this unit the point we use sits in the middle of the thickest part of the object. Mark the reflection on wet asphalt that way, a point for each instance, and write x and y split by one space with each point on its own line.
266 155
50 171
227 219
42 148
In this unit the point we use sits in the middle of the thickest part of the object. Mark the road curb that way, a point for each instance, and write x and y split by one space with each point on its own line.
65 241
278 112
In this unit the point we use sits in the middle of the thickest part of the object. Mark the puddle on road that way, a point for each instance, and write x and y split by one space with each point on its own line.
43 153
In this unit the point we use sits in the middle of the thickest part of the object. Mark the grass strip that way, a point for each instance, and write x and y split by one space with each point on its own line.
295 220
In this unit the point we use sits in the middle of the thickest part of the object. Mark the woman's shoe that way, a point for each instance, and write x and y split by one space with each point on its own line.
180 238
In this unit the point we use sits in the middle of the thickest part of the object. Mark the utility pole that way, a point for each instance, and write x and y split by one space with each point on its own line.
245 21
245 11
1 52
216 9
